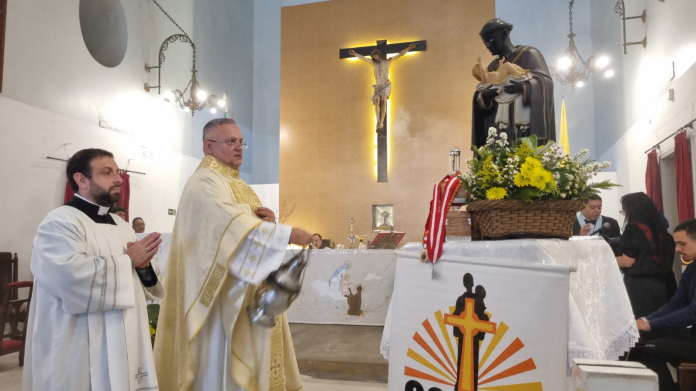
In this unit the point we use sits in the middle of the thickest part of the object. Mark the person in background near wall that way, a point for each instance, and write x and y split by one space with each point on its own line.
647 255
120 212
316 241
138 225
668 336
590 219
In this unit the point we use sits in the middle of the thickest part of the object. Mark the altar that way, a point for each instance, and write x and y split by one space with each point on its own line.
351 287
537 304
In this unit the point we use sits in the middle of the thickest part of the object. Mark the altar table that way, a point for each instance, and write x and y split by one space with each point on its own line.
331 275
556 300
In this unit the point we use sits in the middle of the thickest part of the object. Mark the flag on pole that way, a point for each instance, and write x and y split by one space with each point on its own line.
563 139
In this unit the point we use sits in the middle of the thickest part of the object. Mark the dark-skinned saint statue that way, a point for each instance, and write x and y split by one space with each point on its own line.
516 91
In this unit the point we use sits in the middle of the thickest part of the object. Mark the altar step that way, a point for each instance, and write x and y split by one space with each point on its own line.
339 352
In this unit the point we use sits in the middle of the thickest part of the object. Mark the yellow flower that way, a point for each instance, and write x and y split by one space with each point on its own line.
527 169
540 178
521 180
496 193
534 162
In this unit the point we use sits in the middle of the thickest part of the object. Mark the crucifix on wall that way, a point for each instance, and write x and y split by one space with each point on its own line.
377 57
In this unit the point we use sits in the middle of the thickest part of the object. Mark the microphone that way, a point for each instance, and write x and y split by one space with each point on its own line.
601 229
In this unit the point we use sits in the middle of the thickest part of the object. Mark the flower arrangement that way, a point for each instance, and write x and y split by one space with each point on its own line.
528 172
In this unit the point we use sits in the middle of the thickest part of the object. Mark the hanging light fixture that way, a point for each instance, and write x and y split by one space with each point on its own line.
572 69
198 99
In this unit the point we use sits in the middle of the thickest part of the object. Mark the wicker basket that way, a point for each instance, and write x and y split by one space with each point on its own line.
498 219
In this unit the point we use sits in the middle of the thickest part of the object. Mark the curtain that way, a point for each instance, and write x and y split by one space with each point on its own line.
68 193
685 186
123 202
653 181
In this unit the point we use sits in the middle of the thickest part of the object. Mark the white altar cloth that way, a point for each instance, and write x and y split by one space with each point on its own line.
331 275
601 324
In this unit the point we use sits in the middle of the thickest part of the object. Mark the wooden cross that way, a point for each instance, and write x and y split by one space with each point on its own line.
470 325
385 48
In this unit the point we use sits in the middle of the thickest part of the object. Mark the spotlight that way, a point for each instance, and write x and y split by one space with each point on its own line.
186 109
580 84
201 95
213 110
609 73
221 103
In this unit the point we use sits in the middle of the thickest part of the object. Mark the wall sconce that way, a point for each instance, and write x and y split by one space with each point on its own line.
198 98
620 8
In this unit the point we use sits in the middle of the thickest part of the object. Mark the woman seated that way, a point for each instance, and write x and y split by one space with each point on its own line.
647 255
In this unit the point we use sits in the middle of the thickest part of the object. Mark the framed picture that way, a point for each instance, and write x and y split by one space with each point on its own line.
382 218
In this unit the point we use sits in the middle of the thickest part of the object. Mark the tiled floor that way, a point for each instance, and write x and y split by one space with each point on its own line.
10 373
11 380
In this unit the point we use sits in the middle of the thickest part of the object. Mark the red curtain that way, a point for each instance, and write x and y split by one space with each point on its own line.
68 193
123 202
653 181
685 185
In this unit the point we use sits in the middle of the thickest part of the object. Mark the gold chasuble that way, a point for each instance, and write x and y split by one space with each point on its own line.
220 251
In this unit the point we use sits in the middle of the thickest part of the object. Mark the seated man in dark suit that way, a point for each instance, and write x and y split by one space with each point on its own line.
590 219
666 334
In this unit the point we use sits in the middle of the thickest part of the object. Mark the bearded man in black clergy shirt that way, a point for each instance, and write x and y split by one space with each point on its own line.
590 219
88 325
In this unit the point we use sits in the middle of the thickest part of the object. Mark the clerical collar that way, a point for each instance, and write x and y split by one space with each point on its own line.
102 209
98 214
215 164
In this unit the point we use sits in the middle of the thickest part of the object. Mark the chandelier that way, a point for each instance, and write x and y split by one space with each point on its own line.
198 99
572 68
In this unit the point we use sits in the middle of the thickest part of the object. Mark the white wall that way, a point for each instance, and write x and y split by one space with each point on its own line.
665 118
48 66
54 92
34 185
648 114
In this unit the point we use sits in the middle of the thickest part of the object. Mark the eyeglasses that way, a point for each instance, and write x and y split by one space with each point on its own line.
230 143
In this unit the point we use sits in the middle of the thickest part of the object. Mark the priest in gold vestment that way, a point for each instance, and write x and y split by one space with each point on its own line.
224 243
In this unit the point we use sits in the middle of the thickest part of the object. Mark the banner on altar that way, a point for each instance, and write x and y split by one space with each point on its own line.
345 287
479 326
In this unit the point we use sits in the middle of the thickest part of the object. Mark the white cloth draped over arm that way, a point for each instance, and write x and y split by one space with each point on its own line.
260 253
82 282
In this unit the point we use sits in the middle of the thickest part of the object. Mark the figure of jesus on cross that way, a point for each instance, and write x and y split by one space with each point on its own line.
380 63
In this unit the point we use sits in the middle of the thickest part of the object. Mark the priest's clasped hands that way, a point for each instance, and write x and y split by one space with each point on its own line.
142 251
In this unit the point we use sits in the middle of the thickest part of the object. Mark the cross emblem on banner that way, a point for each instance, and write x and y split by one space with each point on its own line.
140 375
470 325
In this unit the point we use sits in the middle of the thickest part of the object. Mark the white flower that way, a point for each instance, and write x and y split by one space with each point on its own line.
563 195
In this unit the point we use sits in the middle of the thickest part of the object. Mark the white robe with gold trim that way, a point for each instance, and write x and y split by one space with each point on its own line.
88 327
220 250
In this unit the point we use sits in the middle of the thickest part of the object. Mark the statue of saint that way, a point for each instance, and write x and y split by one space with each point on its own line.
380 63
516 90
